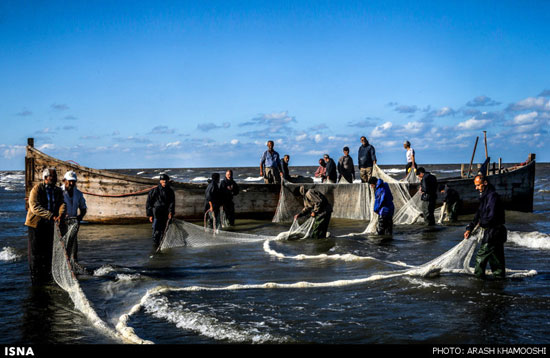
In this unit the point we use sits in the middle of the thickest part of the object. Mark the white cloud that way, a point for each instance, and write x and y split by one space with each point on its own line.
234 141
12 151
301 137
318 138
173 144
381 130
525 118
474 123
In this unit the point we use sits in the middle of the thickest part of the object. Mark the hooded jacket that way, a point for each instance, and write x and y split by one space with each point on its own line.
383 199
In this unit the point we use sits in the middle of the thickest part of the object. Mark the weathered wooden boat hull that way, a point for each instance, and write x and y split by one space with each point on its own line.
117 198
516 189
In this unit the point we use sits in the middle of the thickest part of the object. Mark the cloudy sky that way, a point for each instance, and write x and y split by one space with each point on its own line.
136 84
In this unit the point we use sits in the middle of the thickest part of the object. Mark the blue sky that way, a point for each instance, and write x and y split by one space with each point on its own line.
136 84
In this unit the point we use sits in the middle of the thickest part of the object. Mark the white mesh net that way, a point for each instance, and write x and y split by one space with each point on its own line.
64 275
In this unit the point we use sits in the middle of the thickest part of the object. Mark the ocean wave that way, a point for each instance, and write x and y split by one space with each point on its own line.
532 240
393 170
9 254
200 179
254 179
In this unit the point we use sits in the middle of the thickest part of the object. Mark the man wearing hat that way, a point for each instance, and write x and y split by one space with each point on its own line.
46 208
317 206
74 200
160 207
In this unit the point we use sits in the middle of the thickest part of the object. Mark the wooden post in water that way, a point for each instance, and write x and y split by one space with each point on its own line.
29 173
472 160
462 170
499 165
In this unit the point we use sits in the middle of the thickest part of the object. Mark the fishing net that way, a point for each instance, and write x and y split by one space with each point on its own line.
64 275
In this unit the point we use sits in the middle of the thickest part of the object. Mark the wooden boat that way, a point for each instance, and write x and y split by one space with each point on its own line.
117 198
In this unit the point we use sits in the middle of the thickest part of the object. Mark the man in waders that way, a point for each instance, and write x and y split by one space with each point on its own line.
317 206
428 188
75 202
490 216
383 206
229 189
46 208
451 202
213 202
160 207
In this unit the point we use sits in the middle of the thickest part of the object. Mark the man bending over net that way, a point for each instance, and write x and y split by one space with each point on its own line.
317 206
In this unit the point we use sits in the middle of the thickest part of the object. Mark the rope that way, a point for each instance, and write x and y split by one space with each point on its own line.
120 195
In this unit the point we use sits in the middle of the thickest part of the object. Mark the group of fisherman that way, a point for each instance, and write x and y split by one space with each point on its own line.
50 205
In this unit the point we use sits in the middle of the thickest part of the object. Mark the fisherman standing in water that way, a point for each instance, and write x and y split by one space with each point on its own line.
160 207
270 165
75 202
214 201
383 206
229 189
46 208
428 188
366 159
317 206
491 217
451 202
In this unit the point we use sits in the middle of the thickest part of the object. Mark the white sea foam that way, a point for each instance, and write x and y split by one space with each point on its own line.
104 270
254 179
532 240
200 179
140 173
393 170
9 254
204 324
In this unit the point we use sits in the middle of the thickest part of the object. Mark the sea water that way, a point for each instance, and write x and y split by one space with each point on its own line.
250 293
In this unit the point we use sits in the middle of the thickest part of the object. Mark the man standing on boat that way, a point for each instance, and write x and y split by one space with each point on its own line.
46 208
411 159
366 159
383 206
229 189
331 174
160 207
491 217
317 206
286 172
346 169
270 165
75 202
428 189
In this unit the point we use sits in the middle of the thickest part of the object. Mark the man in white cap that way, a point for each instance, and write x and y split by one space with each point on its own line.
46 208
75 201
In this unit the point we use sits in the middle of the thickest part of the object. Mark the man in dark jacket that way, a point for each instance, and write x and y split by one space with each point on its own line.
428 188
46 208
316 205
229 189
491 217
451 201
214 200
160 207
366 159
383 206
332 176
346 168
286 172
